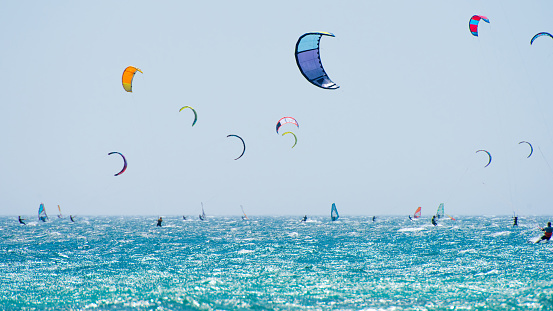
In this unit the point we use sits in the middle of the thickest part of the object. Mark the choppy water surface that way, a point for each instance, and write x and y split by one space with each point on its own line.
278 263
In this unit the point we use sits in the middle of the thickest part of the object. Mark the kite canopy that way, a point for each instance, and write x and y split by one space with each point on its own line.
124 163
295 138
195 114
473 23
309 60
489 155
243 143
531 148
128 75
541 34
285 120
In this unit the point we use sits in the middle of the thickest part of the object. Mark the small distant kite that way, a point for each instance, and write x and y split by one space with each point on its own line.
489 155
541 34
308 60
285 120
531 148
473 23
124 163
195 114
243 143
295 138
128 75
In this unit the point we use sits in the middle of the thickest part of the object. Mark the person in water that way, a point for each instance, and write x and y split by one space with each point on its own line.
410 217
183 217
304 218
71 217
21 220
434 220
374 218
159 222
547 233
515 221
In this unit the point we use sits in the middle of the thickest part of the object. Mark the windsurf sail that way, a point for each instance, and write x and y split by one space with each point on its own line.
440 211
202 216
334 212
42 213
245 217
417 213
59 209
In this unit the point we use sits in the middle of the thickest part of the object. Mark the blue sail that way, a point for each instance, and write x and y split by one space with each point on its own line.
334 212
42 213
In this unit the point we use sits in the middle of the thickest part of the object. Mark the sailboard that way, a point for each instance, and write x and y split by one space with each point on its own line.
334 212
42 213
59 209
440 211
417 213
245 217
202 216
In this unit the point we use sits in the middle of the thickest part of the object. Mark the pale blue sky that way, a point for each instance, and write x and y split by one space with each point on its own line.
418 96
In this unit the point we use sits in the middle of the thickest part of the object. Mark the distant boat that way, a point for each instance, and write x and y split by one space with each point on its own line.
440 211
42 213
59 209
334 212
245 217
417 213
202 216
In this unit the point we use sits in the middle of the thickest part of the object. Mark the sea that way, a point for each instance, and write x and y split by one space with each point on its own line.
275 263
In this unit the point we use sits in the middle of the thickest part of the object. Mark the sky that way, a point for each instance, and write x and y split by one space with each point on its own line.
418 96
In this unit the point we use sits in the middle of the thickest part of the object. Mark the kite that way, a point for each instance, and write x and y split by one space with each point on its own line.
243 143
541 34
195 114
295 138
531 148
489 155
285 120
124 163
128 75
308 60
473 23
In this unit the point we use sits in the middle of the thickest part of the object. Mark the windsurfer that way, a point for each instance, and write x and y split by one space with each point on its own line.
515 221
547 233
159 222
410 218
374 218
21 220
304 218
434 220
183 217
71 217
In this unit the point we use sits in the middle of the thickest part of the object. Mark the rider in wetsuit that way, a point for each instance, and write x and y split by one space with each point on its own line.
547 232
304 218
159 222
515 221
434 220
21 220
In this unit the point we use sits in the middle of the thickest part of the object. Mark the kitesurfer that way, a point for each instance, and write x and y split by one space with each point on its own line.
21 220
304 218
374 218
71 217
515 221
434 220
410 217
547 233
183 217
159 222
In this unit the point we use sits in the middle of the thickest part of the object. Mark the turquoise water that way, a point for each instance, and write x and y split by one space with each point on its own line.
275 263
